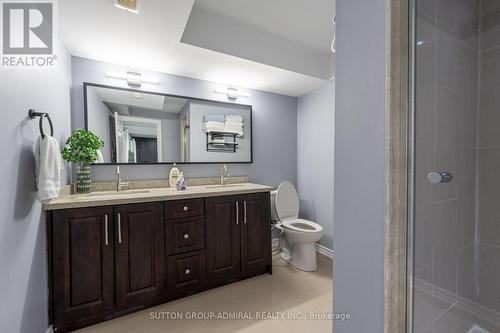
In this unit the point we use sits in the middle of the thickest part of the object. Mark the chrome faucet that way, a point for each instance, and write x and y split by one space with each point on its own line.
223 174
120 184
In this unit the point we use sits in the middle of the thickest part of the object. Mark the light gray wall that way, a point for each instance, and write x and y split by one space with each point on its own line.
315 150
23 305
359 195
98 115
274 125
170 132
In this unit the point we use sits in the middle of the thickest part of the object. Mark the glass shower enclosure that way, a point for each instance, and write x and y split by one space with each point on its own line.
456 221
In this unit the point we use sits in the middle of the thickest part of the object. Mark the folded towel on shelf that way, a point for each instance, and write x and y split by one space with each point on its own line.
232 131
214 123
211 126
235 127
48 167
233 118
214 117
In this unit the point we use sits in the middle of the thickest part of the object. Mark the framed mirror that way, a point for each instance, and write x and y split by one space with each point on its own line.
140 127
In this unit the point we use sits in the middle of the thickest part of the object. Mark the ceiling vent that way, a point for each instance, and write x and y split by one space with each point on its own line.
130 5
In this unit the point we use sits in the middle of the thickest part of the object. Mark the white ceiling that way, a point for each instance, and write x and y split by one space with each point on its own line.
304 22
96 29
124 97
121 100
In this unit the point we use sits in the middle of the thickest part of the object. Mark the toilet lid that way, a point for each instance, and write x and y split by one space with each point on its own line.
287 201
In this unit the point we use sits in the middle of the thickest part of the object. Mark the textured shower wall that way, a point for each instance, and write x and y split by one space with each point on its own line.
489 156
446 139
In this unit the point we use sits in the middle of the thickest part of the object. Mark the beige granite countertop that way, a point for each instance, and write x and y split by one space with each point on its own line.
105 198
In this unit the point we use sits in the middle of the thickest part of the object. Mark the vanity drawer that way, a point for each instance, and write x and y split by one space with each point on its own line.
184 235
184 208
186 272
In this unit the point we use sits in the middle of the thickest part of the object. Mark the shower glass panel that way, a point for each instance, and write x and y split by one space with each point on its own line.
456 228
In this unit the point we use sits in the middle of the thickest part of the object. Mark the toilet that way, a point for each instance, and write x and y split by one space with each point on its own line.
300 236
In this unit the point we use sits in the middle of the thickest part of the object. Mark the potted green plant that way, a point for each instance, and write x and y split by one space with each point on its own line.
81 150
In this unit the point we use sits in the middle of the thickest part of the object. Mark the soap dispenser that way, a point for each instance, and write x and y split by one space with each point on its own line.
181 183
174 176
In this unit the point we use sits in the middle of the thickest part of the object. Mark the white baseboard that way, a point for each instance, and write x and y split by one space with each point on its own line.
319 248
324 251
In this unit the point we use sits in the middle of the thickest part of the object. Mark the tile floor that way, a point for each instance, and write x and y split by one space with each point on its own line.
286 291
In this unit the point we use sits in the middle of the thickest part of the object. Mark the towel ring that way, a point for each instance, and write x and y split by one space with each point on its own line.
40 124
32 114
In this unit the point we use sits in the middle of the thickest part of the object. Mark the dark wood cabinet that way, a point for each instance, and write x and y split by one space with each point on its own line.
255 233
238 235
184 235
82 262
108 261
186 273
223 236
139 253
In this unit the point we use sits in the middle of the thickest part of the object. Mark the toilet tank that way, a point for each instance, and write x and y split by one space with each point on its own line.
274 214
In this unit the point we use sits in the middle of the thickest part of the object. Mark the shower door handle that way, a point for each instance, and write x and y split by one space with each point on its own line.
439 177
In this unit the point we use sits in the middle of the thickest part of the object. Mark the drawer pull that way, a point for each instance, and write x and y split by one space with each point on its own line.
186 236
187 271
186 208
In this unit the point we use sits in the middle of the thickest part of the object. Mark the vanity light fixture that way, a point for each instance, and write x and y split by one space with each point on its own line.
232 93
128 5
134 79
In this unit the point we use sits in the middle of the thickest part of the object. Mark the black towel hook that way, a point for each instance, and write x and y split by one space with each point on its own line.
32 114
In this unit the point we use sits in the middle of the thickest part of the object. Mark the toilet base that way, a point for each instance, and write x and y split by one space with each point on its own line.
303 257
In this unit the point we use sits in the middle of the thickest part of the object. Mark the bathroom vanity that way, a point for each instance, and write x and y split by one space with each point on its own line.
111 254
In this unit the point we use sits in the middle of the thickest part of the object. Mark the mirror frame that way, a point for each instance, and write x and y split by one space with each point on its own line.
89 84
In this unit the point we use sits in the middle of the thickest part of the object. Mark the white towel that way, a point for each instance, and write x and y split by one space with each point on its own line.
234 118
231 131
238 127
49 165
212 126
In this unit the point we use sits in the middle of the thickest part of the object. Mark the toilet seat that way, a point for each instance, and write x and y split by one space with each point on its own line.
287 201
301 225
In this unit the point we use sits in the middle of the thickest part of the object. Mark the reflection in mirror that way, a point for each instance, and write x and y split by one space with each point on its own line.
145 128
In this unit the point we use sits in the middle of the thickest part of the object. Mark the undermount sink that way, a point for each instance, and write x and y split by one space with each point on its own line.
111 194
223 186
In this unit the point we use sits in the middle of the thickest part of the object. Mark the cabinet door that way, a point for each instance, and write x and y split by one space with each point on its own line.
139 253
82 269
223 216
255 233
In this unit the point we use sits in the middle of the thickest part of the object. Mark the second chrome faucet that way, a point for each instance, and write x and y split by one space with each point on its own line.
223 175
120 184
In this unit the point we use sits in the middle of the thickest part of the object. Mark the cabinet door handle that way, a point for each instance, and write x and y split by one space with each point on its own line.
106 229
119 228
187 271
186 208
237 213
244 212
186 236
